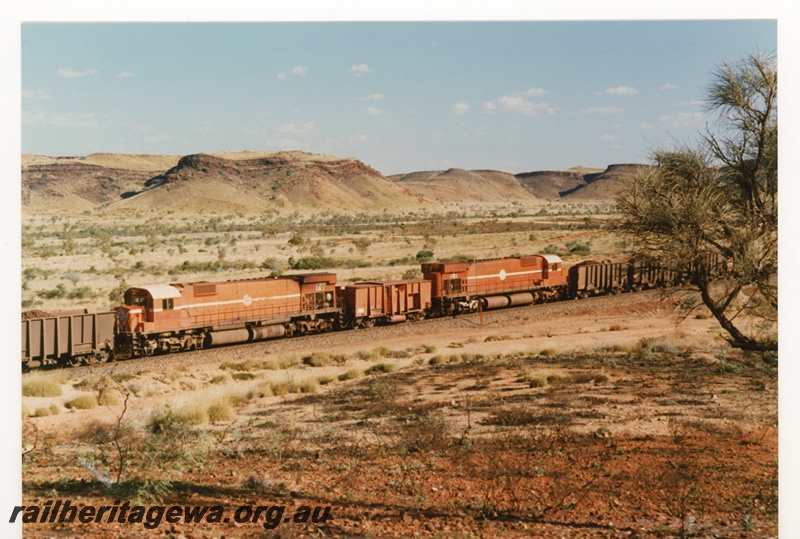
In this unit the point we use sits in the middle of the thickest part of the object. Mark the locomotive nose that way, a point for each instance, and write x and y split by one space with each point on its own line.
128 318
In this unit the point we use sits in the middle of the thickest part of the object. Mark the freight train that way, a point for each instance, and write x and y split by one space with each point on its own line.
166 318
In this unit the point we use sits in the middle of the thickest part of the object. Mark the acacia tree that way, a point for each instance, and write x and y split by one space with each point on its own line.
719 201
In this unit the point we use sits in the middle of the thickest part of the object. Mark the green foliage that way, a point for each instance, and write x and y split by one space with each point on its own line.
425 255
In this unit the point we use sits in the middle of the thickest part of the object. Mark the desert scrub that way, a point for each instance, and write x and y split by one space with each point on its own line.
220 379
243 376
41 387
82 402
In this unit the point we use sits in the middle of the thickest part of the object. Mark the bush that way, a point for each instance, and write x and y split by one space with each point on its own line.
424 255
41 387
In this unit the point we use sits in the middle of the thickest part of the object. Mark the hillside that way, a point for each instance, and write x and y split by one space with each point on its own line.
240 181
459 185
248 181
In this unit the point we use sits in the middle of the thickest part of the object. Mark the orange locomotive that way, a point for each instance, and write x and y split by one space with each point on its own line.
460 287
172 317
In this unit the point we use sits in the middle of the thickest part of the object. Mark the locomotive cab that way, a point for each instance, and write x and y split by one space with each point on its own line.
147 308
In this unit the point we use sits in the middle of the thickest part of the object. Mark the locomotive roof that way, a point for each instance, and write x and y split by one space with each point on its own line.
161 291
551 259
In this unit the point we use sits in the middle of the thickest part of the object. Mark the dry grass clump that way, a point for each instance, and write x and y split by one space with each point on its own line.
533 379
220 379
375 354
264 389
493 338
221 410
108 398
243 376
351 375
82 402
41 387
588 377
325 379
309 385
381 368
44 411
323 359
247 365
283 362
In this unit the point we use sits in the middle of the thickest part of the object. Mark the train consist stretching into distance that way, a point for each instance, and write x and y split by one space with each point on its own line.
166 318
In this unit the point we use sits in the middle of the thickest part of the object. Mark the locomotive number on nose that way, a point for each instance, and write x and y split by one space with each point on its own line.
320 287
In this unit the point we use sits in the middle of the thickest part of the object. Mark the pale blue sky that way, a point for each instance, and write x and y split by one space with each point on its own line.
400 96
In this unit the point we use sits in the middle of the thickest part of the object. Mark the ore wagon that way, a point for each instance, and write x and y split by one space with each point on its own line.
67 338
385 301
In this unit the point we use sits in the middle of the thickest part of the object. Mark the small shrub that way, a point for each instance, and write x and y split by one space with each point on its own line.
220 379
435 360
243 376
325 379
82 402
429 348
41 387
